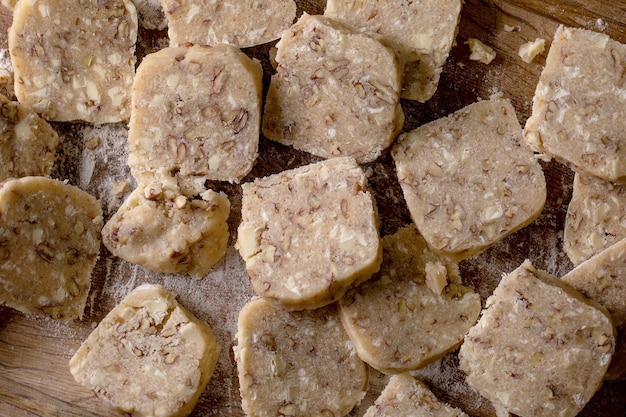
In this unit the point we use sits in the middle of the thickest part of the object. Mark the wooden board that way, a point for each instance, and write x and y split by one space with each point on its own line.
34 375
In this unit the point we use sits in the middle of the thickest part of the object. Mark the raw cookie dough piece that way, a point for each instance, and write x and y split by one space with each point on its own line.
241 23
412 311
49 243
468 179
196 116
164 231
596 217
335 93
297 364
540 347
27 142
578 110
309 234
74 60
406 396
149 356
422 32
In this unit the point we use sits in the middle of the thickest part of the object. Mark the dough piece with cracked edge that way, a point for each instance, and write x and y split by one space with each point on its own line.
241 23
406 396
149 356
164 231
89 81
196 116
540 348
468 179
577 115
596 217
421 32
298 363
335 92
398 320
309 234
27 142
49 243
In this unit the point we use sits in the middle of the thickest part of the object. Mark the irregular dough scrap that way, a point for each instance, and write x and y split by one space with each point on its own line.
27 142
421 32
241 23
468 179
165 231
529 50
480 52
297 364
406 396
49 243
578 115
309 234
326 99
196 116
149 356
92 79
396 322
540 347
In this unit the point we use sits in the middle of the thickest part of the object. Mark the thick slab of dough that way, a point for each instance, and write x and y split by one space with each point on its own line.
310 233
412 311
335 93
468 179
27 142
148 356
406 396
422 32
540 347
165 231
297 364
196 116
578 108
74 60
596 217
49 243
241 23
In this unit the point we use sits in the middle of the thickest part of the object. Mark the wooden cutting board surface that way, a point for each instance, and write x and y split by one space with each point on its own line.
34 375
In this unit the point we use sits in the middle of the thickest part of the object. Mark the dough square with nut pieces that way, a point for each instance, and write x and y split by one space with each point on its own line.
164 231
540 347
309 234
468 179
421 32
49 244
336 91
149 356
298 363
196 116
578 112
413 311
74 60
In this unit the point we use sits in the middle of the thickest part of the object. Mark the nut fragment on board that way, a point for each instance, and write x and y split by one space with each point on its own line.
480 52
529 50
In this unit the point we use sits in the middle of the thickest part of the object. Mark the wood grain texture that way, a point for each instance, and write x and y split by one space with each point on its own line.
34 375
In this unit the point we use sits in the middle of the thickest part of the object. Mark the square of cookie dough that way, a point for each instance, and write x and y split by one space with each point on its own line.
406 396
540 347
326 99
149 356
578 114
164 231
309 234
196 116
241 23
468 179
298 363
49 243
27 142
74 60
421 32
596 217
413 311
